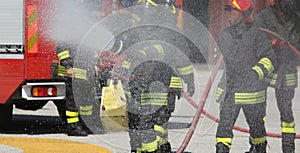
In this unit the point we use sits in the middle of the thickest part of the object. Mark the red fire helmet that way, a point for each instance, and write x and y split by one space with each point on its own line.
241 5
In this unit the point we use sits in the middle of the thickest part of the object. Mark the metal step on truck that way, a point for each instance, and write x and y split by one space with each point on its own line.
28 58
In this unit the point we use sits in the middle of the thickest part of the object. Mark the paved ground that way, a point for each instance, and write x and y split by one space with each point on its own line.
45 124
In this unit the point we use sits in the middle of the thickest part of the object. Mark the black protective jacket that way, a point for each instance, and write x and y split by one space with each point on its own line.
286 74
248 57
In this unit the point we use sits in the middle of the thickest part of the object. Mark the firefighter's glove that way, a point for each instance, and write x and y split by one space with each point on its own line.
176 92
191 89
279 43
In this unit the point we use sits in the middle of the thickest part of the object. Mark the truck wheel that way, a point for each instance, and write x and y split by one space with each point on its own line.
5 113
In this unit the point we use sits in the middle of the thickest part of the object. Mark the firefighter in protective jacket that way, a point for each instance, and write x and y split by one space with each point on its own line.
66 54
248 59
152 77
283 17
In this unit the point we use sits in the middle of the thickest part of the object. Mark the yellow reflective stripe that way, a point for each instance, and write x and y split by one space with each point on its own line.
63 55
173 9
291 83
80 73
267 64
162 136
291 79
175 83
32 40
288 130
161 140
154 95
71 114
72 120
160 129
143 52
157 102
219 92
160 51
126 64
250 98
86 113
259 71
225 141
62 71
251 101
257 141
159 99
86 110
185 70
151 146
154 102
151 2
139 150
285 124
273 78
250 94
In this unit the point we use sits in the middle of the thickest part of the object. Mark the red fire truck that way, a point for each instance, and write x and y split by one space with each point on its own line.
27 58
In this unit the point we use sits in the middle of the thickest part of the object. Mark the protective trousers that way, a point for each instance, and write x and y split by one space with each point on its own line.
89 107
149 113
148 133
84 92
71 108
229 112
284 102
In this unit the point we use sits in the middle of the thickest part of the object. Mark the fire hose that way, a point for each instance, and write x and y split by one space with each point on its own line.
276 36
200 107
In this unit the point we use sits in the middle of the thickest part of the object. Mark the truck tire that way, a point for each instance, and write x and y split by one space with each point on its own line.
6 112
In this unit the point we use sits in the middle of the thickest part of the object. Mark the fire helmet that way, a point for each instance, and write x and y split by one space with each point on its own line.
245 6
240 5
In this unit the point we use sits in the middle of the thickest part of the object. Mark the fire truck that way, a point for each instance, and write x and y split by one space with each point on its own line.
27 58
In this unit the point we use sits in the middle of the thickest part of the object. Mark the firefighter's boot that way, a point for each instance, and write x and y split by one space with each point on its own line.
221 148
258 148
165 148
75 129
288 142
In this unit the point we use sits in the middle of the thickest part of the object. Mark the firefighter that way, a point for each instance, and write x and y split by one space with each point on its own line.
248 58
153 84
282 17
75 125
154 81
66 71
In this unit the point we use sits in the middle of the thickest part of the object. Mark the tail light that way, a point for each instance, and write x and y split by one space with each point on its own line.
44 91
